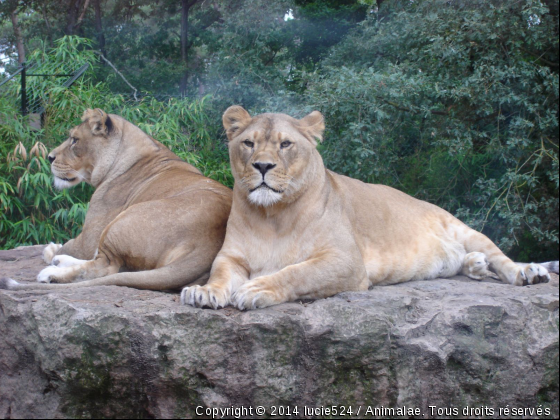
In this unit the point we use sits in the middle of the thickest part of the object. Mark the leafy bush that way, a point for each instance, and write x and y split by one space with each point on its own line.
455 103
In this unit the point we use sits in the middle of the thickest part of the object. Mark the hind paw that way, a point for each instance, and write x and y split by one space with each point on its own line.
53 274
475 266
66 261
532 274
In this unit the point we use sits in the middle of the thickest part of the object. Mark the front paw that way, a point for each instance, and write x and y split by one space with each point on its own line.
532 274
209 296
50 251
256 294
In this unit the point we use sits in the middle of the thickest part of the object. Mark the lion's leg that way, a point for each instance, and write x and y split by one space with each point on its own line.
50 251
99 267
506 269
56 274
73 248
315 278
227 275
66 261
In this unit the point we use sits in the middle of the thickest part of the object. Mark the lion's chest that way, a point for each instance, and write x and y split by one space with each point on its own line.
268 254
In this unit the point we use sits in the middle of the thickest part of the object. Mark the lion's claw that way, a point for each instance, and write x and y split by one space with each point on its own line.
204 296
255 294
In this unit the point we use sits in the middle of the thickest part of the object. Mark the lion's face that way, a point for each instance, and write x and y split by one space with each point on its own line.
74 160
273 156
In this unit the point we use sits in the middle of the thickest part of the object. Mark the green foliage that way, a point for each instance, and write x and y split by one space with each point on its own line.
455 103
32 212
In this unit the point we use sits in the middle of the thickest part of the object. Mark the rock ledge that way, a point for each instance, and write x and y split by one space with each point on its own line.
120 352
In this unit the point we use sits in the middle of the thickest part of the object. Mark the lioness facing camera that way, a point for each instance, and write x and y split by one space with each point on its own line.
154 221
298 230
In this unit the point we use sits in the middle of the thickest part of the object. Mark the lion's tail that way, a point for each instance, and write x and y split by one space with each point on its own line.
168 277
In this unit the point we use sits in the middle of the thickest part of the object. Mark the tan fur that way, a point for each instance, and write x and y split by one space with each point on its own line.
154 221
311 233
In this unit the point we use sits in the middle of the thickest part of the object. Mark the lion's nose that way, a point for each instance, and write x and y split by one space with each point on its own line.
51 158
263 167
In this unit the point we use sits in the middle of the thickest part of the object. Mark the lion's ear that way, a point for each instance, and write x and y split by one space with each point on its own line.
98 121
314 125
235 119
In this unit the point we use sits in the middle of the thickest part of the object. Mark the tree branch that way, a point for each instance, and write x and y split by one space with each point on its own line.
118 72
539 57
81 18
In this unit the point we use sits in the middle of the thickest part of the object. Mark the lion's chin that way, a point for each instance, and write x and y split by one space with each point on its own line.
264 197
62 183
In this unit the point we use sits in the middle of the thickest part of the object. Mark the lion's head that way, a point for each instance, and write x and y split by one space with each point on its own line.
76 158
273 156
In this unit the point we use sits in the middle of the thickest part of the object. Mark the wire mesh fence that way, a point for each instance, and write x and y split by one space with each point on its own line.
31 93
28 87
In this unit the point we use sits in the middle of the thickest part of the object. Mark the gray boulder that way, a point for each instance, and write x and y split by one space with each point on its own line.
431 347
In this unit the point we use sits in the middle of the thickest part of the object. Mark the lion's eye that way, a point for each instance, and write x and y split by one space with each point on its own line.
74 140
249 143
285 143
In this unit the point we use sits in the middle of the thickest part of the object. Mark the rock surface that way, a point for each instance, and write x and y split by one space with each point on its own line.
120 352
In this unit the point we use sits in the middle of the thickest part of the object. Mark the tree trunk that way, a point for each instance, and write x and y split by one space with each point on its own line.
72 17
185 45
47 23
19 38
99 26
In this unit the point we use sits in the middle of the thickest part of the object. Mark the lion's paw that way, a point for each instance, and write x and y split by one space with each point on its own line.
66 261
46 274
50 251
53 274
253 295
532 274
205 296
475 266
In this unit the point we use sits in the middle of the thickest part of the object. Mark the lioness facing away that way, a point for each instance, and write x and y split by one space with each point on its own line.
154 221
298 230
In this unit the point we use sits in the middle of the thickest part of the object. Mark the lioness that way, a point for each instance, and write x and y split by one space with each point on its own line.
154 221
298 230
